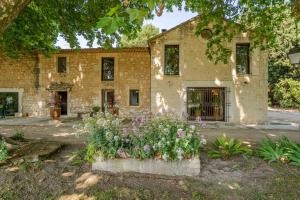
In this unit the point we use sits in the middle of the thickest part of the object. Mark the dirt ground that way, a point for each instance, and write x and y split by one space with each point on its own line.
67 134
57 178
239 178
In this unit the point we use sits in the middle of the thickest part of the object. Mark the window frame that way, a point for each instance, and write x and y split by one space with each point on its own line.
58 66
165 59
138 97
102 69
248 67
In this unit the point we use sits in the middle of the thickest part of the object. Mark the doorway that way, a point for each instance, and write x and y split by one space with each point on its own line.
63 95
108 100
206 103
9 103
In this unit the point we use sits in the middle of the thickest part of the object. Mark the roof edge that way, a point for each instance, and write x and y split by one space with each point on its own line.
173 28
104 50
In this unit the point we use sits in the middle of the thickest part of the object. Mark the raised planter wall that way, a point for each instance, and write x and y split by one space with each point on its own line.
189 167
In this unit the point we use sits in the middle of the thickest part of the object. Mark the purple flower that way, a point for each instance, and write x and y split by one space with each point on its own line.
121 153
180 133
147 148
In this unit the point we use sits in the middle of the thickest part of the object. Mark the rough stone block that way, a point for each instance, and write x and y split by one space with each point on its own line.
189 167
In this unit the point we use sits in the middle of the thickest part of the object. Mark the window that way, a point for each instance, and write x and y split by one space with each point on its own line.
108 69
61 64
171 60
134 97
242 59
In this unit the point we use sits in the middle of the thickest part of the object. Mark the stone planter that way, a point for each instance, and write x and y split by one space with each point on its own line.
190 167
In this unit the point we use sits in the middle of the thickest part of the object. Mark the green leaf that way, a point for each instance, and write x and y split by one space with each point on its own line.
137 14
104 22
113 10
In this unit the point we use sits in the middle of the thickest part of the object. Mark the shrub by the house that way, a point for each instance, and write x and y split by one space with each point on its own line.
287 93
161 137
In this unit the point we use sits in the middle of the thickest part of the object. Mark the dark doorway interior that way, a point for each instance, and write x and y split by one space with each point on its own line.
206 103
64 102
9 103
108 99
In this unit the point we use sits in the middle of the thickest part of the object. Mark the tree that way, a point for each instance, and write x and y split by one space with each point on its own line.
140 40
9 10
37 28
227 19
280 69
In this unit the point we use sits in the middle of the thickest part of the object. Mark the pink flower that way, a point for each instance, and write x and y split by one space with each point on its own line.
147 148
121 153
180 133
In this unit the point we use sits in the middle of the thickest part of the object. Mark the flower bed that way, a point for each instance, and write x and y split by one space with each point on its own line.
162 138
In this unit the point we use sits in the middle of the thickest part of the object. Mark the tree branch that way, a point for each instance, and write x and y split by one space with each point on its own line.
9 10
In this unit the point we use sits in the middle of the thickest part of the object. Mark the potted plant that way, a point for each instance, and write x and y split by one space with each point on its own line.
54 104
95 110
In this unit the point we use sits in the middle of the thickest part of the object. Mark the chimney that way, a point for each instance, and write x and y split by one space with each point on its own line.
163 30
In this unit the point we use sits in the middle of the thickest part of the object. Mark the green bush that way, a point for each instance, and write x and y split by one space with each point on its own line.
282 150
225 148
3 151
287 93
162 137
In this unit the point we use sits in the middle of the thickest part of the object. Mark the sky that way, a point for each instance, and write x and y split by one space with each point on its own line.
166 21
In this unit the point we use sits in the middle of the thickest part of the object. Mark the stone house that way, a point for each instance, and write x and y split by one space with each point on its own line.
173 74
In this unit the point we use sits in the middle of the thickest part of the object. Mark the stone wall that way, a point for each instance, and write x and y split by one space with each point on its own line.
131 71
17 75
134 69
247 94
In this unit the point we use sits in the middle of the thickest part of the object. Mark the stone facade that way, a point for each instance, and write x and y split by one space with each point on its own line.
246 95
83 78
140 69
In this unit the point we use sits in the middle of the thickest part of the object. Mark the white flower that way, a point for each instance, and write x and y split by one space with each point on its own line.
203 140
159 144
165 157
193 127
116 138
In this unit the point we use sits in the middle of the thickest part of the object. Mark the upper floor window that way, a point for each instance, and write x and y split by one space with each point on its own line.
108 69
134 97
171 60
61 64
242 58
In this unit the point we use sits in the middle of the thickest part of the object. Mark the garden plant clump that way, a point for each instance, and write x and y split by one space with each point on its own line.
225 148
282 150
161 137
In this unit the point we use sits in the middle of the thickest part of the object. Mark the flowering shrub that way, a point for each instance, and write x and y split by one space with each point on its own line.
161 137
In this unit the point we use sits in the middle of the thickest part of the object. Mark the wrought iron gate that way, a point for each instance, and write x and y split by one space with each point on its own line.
206 103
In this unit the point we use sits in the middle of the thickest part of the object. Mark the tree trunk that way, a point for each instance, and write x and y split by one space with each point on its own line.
9 10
